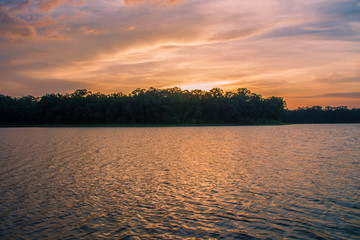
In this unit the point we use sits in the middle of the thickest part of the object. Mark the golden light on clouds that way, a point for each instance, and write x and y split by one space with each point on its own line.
157 2
294 49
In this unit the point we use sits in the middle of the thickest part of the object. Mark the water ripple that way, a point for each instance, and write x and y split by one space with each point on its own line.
266 182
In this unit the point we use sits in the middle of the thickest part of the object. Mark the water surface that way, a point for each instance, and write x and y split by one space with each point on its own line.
250 182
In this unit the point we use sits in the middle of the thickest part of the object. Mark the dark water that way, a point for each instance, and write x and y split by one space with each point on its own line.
262 182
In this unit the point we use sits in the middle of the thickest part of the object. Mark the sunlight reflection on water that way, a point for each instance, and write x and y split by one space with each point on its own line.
297 181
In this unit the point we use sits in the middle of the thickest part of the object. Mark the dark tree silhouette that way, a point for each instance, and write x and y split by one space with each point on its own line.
163 106
318 114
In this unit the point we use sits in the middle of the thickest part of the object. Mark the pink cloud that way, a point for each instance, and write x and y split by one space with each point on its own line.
46 5
76 2
30 20
14 31
14 7
198 43
157 2
10 25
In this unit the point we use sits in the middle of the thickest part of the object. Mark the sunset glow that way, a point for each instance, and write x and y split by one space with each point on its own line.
305 51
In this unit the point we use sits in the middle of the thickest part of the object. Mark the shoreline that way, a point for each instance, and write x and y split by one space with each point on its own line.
151 125
154 125
132 125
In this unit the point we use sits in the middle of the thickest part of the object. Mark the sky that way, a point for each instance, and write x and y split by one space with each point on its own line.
307 52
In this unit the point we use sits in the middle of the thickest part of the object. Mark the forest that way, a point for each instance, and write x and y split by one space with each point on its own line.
152 106
163 106
318 114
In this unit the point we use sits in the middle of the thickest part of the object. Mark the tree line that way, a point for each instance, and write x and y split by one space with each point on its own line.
151 106
164 106
318 114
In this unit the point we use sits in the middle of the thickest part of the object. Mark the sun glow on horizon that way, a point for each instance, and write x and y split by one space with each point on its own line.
294 50
206 86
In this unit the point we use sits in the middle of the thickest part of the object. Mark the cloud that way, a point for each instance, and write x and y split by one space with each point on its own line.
19 85
326 20
46 5
275 47
31 20
15 6
338 95
333 78
154 2
10 26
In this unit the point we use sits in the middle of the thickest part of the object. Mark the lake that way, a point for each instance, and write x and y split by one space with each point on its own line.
245 182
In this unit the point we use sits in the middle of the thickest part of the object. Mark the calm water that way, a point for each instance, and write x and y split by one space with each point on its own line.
262 182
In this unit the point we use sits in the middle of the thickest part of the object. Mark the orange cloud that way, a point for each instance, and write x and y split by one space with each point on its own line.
46 5
16 31
76 2
292 49
157 2
12 27
20 21
15 7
